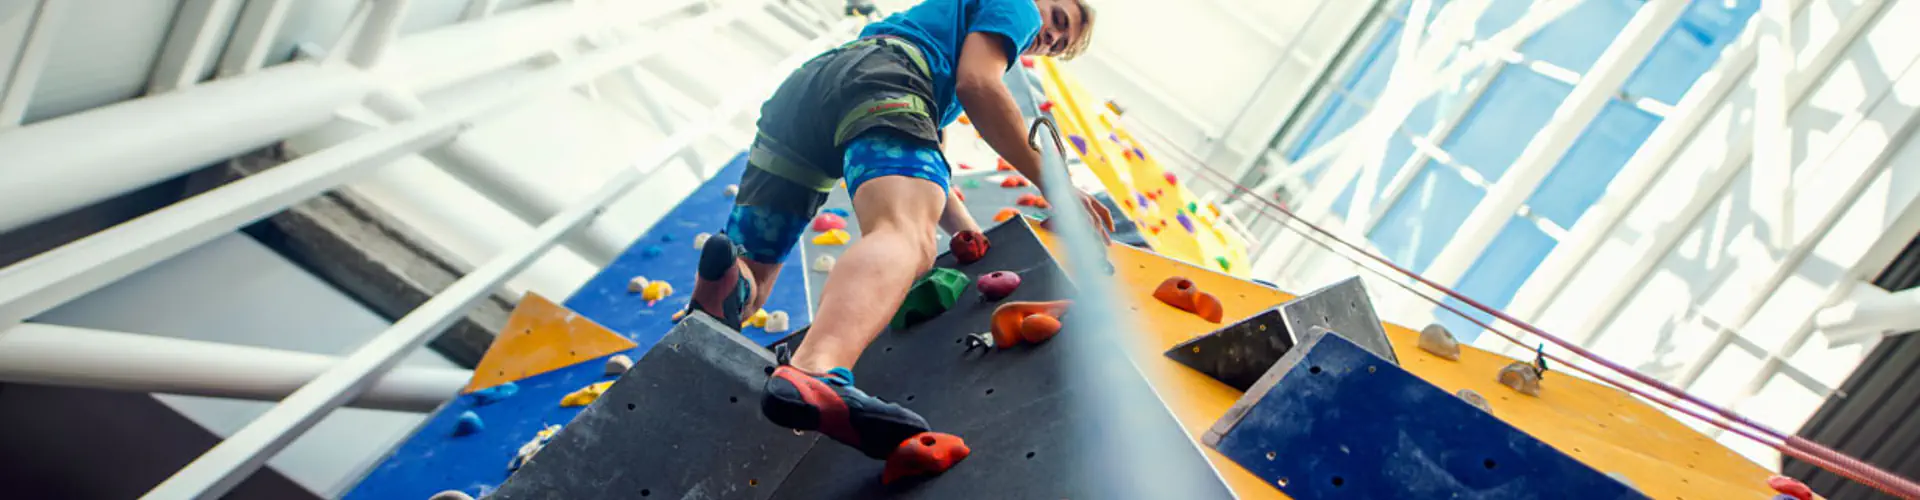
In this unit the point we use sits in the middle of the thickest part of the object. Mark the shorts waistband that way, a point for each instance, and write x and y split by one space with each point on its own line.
912 51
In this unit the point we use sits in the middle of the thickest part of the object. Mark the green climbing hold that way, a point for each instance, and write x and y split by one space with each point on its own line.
970 184
1192 207
929 297
1224 264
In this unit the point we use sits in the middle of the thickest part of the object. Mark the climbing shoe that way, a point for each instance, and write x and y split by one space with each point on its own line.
831 405
718 290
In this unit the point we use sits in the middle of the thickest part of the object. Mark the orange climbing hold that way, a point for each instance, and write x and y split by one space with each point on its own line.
1011 325
1031 200
1004 166
924 454
1006 214
1182 293
1013 181
964 120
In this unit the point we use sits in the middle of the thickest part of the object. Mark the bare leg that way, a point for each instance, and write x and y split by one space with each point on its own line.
896 214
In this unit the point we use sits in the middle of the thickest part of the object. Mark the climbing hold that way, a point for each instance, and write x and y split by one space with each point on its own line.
1114 106
616 365
1006 214
494 394
1046 106
586 395
733 190
1079 144
451 495
467 423
929 297
1140 197
1522 376
828 222
964 166
1171 180
1215 209
777 322
1183 294
532 446
843 213
637 284
924 454
655 291
961 195
1113 137
1790 487
1038 328
969 247
650 252
970 184
1013 181
758 320
1437 340
998 284
1192 208
964 120
1003 166
700 240
666 238
1475 399
1010 321
823 264
1225 265
1142 154
833 237
1185 222
1026 62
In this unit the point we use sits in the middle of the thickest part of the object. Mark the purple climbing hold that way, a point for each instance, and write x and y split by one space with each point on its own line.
1184 221
494 394
1141 198
469 423
1079 143
1137 153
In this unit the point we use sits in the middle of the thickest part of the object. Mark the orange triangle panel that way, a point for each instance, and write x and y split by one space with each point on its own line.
540 337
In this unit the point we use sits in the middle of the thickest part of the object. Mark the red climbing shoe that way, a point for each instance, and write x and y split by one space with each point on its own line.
718 289
830 404
926 454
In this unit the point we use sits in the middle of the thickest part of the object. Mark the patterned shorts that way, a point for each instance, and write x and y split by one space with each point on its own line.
767 234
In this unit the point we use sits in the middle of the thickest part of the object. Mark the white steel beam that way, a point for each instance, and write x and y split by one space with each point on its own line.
382 26
20 67
198 28
1638 176
253 36
1772 185
35 353
477 9
1869 312
1550 144
223 467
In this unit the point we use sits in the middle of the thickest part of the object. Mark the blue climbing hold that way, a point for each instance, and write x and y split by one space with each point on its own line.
843 213
650 252
666 238
494 394
468 423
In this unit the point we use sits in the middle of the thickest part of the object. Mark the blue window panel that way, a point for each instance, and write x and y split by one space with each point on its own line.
1414 230
1494 278
1515 106
1582 175
1341 113
1576 39
1688 50
1500 15
1399 149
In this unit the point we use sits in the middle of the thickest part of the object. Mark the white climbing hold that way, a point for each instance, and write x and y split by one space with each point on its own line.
637 284
823 264
1437 340
1522 376
700 240
777 322
618 364
1475 399
733 190
451 495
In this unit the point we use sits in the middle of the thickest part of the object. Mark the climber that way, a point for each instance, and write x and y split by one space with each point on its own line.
871 112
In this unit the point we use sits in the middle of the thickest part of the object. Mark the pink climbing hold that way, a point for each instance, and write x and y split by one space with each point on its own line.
1790 487
828 222
1172 180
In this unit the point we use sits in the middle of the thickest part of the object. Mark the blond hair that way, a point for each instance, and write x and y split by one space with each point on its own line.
1080 43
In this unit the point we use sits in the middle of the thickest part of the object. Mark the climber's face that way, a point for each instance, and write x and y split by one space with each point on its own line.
1064 24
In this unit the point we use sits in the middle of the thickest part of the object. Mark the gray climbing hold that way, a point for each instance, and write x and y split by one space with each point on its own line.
733 190
700 240
618 364
637 284
1475 399
1522 376
451 495
1437 340
778 322
823 264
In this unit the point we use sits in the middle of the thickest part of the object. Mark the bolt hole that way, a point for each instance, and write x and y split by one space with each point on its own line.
753 482
1489 463
909 397
630 406
1354 305
1029 455
1371 369
989 391
1325 319
1338 481
1196 349
889 349
1315 369
1261 327
926 440
571 353
769 370
733 399
1270 455
646 492
1184 285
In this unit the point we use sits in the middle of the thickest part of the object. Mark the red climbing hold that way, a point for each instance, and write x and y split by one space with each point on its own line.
969 247
1029 200
1013 181
962 195
1182 293
1790 487
924 454
998 284
1171 180
1046 106
1026 61
1004 166
964 166
828 222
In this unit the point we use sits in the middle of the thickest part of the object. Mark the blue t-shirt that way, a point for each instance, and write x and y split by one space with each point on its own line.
940 27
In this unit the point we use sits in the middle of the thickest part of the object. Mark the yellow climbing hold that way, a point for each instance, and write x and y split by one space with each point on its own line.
655 291
586 395
759 320
833 237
